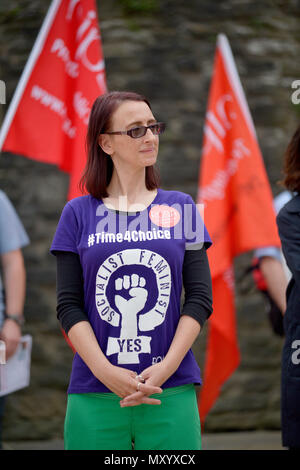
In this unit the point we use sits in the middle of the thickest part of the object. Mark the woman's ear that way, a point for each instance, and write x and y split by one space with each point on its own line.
105 143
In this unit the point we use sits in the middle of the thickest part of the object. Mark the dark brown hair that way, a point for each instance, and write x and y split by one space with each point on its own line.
99 167
291 168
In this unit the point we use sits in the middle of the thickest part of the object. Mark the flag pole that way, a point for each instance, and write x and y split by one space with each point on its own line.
233 76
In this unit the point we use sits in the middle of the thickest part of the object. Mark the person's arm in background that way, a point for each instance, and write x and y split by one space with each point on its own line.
274 274
272 263
275 279
13 238
14 281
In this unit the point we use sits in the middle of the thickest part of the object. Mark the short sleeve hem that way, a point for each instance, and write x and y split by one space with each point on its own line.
65 238
196 235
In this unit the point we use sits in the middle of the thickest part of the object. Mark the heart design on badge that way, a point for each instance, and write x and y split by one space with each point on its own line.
164 216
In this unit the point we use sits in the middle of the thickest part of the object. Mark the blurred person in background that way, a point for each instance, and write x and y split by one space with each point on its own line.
271 274
13 283
288 221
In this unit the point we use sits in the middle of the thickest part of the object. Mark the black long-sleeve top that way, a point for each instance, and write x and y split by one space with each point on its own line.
70 294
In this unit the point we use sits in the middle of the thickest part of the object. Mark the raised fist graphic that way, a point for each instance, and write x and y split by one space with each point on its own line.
129 308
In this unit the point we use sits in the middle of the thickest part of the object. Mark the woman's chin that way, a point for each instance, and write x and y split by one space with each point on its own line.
149 160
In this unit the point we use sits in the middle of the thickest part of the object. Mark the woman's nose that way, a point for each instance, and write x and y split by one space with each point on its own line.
149 135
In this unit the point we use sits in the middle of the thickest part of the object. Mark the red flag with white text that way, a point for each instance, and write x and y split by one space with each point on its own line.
48 115
238 208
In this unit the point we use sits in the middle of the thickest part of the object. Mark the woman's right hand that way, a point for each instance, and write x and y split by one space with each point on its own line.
124 382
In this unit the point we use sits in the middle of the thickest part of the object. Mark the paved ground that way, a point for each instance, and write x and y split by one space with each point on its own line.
257 440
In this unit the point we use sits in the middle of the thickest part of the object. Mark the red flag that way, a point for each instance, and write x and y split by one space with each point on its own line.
239 213
48 115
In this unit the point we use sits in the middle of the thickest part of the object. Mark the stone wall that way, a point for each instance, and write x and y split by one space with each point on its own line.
165 50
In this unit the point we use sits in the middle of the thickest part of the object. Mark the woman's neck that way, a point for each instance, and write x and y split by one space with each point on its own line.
131 187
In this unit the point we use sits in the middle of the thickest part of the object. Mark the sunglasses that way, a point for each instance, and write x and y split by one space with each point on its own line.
140 131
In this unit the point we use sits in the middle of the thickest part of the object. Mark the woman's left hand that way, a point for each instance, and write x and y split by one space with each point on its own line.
154 375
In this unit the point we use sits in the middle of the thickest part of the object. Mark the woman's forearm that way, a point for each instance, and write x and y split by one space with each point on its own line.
85 343
186 333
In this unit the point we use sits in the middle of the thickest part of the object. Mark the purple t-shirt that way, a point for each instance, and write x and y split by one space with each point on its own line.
132 270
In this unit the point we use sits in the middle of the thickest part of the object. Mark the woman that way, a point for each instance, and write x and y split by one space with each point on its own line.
288 221
122 252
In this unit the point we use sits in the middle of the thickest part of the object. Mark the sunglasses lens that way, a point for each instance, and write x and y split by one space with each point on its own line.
158 128
155 129
140 131
137 132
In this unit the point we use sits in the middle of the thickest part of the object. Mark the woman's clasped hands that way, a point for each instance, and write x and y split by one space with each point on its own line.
135 389
128 384
147 383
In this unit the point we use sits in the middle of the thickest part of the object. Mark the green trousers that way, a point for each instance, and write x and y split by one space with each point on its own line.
95 421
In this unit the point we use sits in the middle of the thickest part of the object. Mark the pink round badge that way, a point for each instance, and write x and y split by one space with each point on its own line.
164 216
